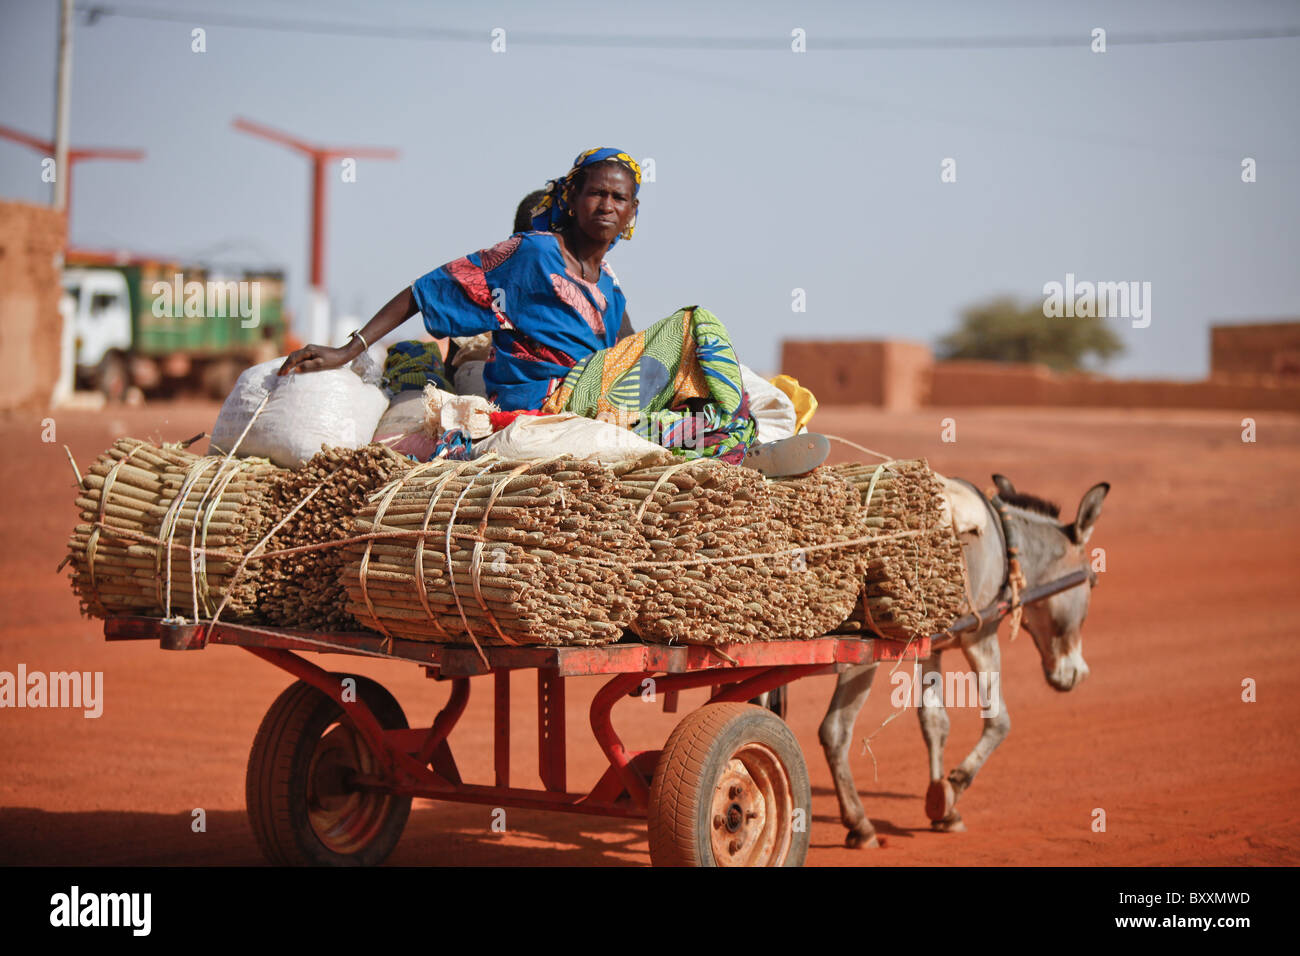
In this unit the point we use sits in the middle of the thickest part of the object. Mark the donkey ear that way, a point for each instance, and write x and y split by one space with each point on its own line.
1005 487
1089 512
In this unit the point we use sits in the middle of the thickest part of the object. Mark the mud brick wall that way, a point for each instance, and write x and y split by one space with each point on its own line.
989 383
891 375
1264 349
903 375
31 239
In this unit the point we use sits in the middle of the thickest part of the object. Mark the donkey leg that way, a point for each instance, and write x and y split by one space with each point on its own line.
939 796
985 658
836 733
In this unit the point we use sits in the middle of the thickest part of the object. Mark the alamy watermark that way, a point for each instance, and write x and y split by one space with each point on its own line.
77 689
213 299
75 909
1101 300
950 689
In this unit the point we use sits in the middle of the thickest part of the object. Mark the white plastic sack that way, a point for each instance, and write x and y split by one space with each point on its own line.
772 409
468 379
472 348
306 410
540 436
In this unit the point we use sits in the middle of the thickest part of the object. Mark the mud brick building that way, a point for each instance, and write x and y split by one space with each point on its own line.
31 247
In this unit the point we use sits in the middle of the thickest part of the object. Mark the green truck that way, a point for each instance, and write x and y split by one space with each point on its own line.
165 327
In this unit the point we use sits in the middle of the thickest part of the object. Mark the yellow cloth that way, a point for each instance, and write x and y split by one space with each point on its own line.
805 402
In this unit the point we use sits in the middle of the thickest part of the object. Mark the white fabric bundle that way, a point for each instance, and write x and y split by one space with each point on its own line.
772 409
335 408
541 436
445 412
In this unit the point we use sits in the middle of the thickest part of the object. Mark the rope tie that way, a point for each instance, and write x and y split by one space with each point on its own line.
198 557
252 553
1016 578
388 493
420 589
210 502
93 540
451 576
866 506
127 533
853 444
168 530
476 559
667 473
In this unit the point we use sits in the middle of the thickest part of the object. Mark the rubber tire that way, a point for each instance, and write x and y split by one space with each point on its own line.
689 767
113 377
276 781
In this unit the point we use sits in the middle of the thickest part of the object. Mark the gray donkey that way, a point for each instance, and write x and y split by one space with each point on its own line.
1048 550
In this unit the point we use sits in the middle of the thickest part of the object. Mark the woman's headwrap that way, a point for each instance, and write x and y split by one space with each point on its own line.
557 205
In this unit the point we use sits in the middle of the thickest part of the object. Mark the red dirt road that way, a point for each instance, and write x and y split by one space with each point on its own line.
1200 592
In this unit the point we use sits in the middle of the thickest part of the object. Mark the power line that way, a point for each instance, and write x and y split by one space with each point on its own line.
95 12
913 114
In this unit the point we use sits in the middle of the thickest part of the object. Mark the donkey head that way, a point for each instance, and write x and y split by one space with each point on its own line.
1050 550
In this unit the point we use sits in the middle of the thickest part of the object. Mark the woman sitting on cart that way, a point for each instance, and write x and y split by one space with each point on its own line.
554 308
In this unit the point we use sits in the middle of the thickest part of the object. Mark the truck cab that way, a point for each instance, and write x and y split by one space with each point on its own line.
99 301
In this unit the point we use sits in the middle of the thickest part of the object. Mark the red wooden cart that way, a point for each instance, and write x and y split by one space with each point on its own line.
335 765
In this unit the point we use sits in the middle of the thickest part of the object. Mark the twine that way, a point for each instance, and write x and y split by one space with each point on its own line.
256 553
1016 578
170 518
420 589
451 576
168 529
611 562
667 473
853 444
93 539
388 494
265 538
476 561
199 569
866 507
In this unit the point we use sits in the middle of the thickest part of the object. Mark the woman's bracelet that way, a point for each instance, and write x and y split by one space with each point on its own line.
365 346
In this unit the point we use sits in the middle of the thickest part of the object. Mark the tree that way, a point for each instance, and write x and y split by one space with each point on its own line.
1002 330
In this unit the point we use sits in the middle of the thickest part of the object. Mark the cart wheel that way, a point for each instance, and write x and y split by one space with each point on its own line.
731 789
300 804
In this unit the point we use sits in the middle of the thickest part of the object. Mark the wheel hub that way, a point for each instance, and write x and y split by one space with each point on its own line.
752 810
343 817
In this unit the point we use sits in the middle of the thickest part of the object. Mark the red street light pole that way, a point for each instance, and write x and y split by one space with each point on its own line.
320 155
74 156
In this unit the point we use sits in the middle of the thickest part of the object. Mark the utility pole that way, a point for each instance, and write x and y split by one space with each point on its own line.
63 107
66 381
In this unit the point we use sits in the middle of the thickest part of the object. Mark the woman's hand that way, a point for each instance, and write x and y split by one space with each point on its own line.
314 358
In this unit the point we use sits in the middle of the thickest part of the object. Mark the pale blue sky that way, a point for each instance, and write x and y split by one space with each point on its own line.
774 170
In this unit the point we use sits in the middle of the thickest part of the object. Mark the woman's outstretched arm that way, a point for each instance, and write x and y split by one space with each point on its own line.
313 358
